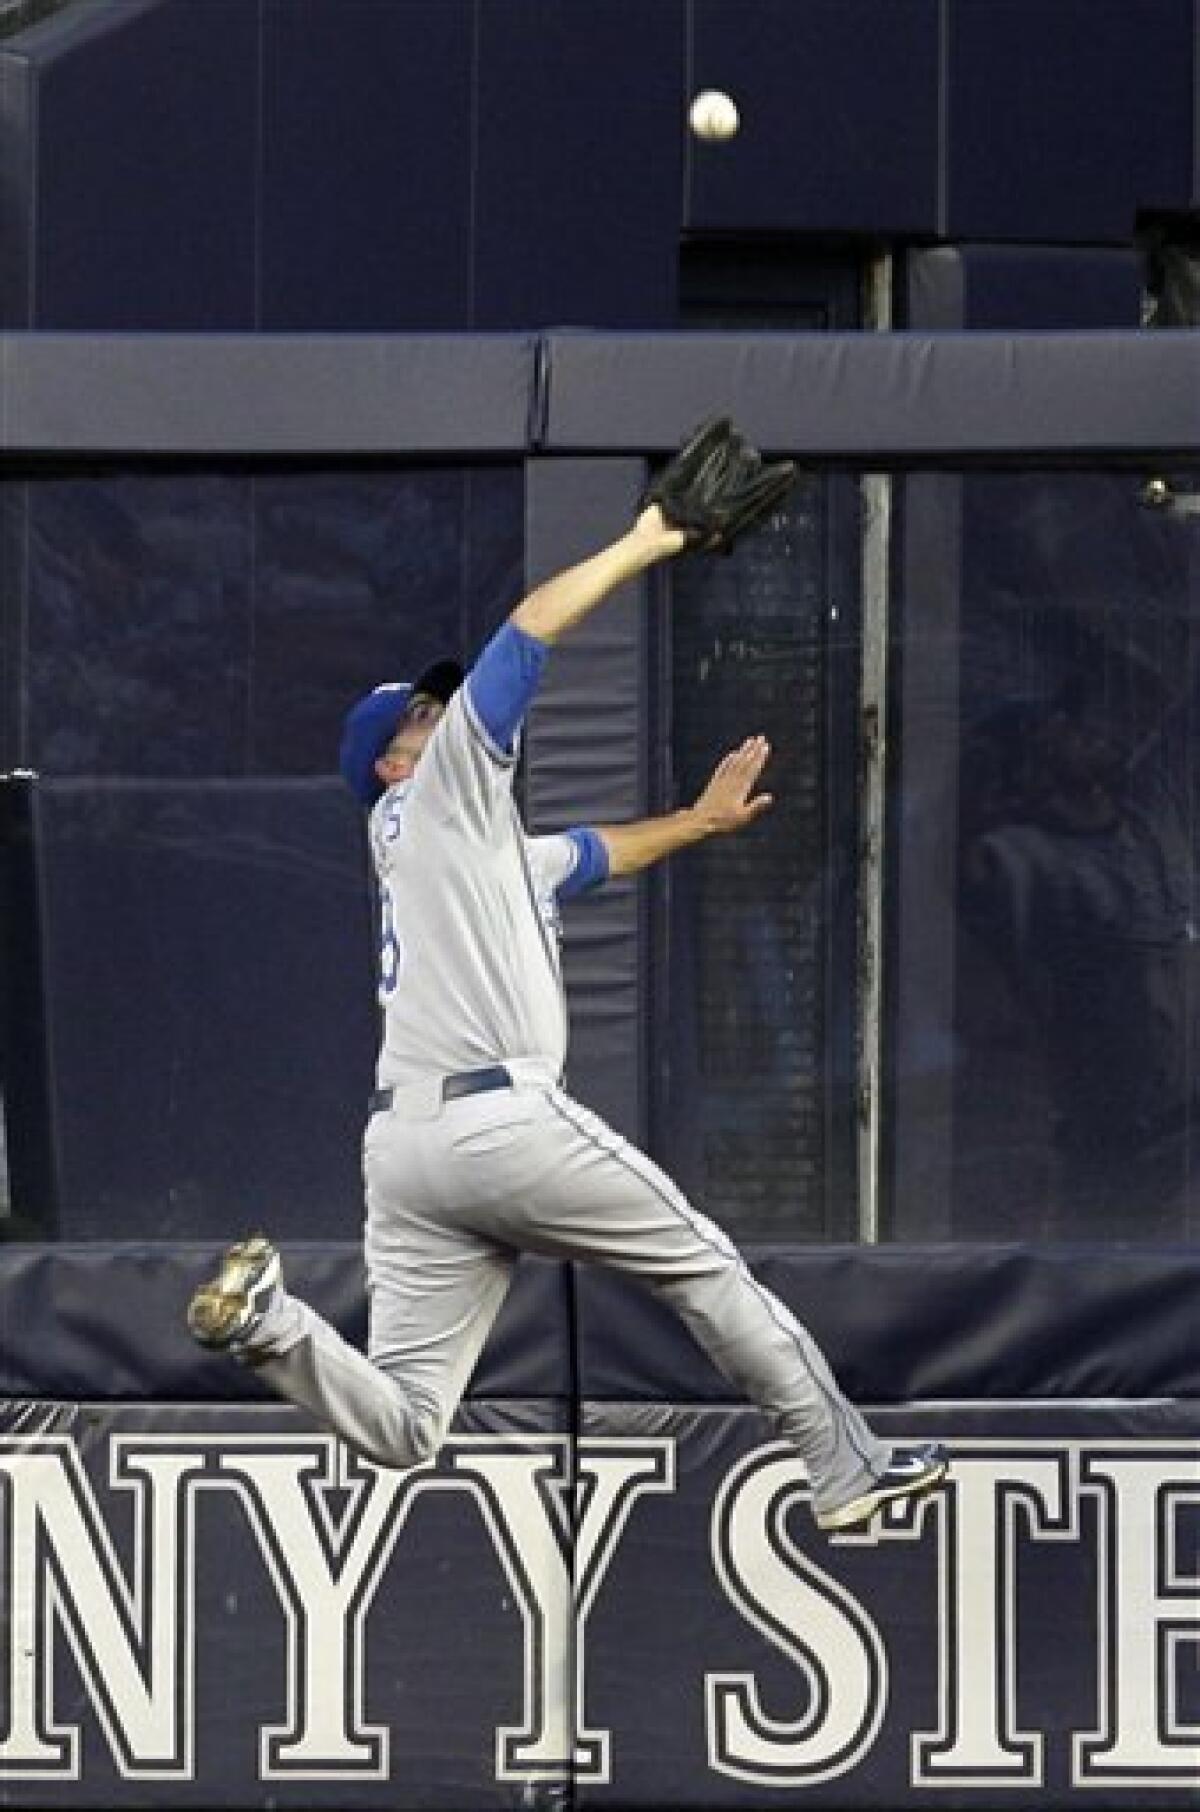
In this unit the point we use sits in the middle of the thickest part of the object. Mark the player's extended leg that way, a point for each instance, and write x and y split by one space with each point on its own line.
574 1188
433 1293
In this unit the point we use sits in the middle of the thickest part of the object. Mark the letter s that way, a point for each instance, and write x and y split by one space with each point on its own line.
781 1592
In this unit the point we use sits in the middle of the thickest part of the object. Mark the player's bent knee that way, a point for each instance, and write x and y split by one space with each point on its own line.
417 1434
426 1434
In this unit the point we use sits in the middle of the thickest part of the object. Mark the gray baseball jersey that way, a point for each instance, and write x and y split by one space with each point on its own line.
468 962
455 1188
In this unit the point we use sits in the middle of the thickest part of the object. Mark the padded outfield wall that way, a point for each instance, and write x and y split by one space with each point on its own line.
607 1589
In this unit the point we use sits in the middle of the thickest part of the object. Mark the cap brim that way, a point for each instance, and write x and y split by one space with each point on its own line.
374 720
366 733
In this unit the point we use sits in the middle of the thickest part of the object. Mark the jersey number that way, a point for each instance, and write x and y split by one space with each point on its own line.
391 951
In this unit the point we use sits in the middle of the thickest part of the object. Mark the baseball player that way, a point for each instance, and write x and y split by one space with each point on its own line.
473 1151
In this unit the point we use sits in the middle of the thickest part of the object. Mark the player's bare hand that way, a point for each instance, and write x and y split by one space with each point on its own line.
726 803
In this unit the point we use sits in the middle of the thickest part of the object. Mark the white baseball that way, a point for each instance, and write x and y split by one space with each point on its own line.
713 115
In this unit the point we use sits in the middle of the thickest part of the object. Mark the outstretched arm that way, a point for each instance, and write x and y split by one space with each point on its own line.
725 805
712 492
504 679
563 601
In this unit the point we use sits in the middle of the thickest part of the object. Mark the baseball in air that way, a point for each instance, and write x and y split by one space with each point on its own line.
713 116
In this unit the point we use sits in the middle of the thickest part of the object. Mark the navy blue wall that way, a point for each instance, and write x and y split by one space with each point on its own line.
836 137
193 919
362 200
1065 116
396 164
220 622
137 204
393 165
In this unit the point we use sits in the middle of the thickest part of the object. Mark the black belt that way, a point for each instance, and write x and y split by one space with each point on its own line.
466 1082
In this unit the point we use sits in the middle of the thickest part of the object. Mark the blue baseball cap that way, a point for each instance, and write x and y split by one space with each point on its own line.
370 725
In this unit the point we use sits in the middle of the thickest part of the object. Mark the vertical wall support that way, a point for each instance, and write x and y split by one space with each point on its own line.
586 754
877 518
924 884
876 493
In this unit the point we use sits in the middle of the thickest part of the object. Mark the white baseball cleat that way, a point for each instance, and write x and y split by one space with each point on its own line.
911 1472
226 1312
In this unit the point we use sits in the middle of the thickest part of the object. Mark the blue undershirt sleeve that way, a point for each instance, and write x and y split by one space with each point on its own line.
591 863
503 681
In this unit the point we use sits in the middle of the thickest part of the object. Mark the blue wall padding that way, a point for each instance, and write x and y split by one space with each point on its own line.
661 1625
1007 288
910 1323
230 618
143 205
455 164
879 394
839 107
837 395
1064 120
207 988
18 137
117 1314
345 393
925 1323
578 166
441 1644
593 700
366 177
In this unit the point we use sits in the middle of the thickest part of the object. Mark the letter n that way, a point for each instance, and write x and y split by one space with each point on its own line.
132 1640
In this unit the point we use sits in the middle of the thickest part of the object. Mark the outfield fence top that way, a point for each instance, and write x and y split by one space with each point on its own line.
855 398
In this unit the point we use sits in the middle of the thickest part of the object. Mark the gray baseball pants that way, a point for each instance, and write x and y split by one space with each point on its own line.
454 1193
